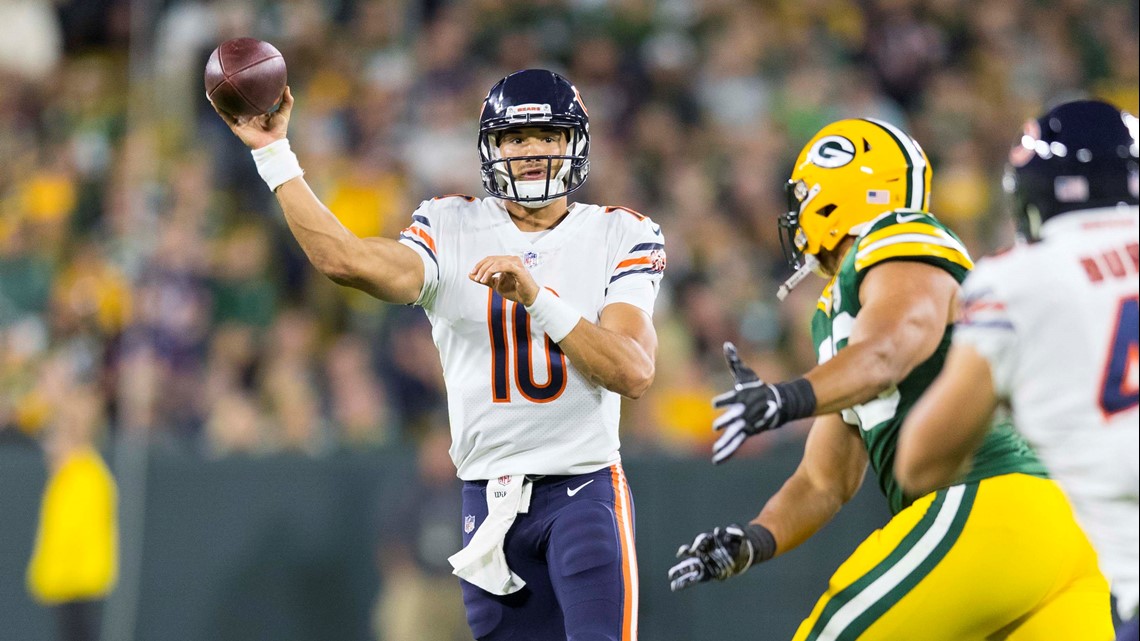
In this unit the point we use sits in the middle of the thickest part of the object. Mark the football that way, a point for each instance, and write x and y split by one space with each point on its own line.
245 77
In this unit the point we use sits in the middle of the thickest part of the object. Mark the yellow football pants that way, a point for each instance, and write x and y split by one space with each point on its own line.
999 560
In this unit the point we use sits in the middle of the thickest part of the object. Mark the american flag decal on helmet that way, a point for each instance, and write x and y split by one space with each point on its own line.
878 197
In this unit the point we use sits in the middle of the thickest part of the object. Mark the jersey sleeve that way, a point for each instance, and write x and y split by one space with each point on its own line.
912 236
421 236
640 266
984 323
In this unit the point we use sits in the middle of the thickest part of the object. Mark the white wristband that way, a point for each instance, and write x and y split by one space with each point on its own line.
277 163
553 315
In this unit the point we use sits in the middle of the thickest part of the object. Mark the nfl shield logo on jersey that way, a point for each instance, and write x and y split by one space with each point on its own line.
530 259
468 523
505 480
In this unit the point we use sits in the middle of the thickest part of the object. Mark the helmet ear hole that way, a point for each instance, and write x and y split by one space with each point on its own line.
866 145
826 210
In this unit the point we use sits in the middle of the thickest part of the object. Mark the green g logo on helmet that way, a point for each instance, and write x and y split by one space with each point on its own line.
831 152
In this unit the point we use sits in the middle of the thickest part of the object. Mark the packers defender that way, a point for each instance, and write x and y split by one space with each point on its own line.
996 556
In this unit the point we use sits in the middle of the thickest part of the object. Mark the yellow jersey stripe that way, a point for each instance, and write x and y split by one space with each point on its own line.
824 302
913 249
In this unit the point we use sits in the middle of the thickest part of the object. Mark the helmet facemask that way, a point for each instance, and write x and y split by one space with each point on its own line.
793 241
499 180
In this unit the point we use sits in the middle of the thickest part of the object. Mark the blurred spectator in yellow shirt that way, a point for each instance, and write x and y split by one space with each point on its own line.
75 561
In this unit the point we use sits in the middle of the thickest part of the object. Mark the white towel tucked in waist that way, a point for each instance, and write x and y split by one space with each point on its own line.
483 562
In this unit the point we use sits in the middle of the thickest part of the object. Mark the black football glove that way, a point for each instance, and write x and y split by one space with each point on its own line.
754 406
720 554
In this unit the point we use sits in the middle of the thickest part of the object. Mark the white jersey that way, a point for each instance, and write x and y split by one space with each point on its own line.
516 403
1057 320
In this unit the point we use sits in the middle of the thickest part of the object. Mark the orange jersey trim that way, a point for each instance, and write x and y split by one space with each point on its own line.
422 234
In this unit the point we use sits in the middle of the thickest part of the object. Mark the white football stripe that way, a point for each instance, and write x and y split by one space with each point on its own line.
900 571
942 239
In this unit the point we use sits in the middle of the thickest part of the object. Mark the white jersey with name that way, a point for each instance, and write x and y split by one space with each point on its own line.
1057 321
516 403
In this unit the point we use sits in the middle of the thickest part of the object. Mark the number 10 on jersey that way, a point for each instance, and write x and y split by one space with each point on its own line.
502 350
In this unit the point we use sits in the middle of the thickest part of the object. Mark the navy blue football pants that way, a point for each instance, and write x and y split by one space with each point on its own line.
574 548
1129 631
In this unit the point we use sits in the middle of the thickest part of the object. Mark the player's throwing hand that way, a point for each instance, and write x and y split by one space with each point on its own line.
508 276
259 131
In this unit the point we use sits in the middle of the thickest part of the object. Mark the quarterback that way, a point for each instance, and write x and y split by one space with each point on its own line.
541 310
1049 328
988 557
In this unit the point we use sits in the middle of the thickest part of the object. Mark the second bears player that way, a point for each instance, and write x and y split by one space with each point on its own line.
998 554
1050 329
541 310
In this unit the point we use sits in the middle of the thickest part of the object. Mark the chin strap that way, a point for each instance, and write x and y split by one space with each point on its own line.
810 265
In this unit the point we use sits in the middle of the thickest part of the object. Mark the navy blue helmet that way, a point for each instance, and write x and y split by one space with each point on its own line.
529 98
1079 155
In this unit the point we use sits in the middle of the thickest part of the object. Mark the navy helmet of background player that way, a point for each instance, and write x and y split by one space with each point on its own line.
526 98
1078 155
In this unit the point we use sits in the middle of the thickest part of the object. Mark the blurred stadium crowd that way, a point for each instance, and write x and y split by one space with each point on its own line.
143 262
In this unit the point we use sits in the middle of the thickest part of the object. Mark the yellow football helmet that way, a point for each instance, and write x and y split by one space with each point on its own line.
851 172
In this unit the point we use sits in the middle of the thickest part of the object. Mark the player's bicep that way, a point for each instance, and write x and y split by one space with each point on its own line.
906 307
633 323
835 459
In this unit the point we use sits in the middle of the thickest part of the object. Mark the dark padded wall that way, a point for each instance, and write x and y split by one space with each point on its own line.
283 548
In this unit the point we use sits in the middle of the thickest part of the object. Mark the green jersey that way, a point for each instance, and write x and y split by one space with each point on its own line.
912 236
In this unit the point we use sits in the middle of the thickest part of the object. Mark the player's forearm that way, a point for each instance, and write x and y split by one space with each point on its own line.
616 362
856 375
324 239
797 511
373 265
947 425
921 474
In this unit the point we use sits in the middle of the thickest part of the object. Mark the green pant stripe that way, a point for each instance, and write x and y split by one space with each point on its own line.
911 560
862 622
844 595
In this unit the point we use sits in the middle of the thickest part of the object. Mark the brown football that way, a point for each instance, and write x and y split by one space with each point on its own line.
245 77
